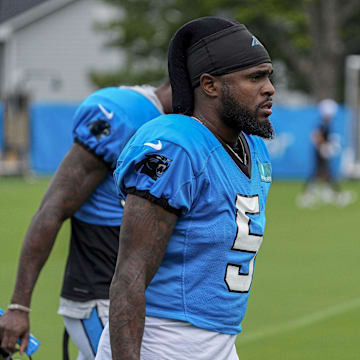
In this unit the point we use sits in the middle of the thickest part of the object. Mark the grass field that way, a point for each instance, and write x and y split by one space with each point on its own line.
305 300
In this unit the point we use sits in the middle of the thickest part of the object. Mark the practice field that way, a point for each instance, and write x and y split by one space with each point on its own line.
305 300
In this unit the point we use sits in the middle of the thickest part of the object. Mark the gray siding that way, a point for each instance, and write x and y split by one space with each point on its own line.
51 58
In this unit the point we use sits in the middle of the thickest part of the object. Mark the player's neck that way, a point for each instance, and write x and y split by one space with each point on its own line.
216 126
164 95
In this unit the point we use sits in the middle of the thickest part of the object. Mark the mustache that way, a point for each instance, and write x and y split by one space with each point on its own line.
258 106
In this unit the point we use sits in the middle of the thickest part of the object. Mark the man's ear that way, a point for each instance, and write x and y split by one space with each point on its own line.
210 85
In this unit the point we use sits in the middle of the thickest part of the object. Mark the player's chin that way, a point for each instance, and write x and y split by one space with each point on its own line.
264 121
264 128
263 114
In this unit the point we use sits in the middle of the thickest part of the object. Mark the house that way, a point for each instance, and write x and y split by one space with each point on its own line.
48 48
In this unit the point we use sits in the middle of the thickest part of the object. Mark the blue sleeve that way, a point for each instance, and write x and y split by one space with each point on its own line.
163 176
96 127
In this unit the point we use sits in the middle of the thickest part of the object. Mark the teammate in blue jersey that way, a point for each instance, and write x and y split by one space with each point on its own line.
195 184
83 190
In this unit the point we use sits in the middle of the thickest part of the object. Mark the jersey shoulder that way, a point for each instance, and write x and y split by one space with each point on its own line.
101 110
179 134
106 120
117 96
182 131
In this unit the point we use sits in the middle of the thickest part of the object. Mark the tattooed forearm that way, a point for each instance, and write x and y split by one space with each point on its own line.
78 175
145 232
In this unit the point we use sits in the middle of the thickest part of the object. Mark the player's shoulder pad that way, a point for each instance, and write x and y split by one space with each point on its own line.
115 102
183 131
103 102
110 96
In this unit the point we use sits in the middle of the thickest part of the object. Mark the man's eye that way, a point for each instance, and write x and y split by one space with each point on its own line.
255 77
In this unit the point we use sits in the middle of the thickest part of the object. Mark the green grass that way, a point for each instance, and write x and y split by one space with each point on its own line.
19 201
305 299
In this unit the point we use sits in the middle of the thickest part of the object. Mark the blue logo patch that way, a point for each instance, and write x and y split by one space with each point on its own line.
265 171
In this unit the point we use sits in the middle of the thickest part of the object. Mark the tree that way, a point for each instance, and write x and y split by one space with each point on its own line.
312 37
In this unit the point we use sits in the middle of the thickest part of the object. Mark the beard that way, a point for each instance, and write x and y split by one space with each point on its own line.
239 117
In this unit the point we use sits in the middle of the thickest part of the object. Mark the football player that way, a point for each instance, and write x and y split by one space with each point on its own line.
83 190
195 184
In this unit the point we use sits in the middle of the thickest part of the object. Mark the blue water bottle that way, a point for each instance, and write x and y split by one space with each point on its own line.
33 343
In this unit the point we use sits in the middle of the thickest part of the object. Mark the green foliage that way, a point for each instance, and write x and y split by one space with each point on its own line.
145 30
126 76
295 32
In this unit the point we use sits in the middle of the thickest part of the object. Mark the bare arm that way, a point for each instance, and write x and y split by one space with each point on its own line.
145 231
78 175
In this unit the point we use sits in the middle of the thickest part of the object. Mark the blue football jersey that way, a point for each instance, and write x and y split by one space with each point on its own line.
103 124
207 270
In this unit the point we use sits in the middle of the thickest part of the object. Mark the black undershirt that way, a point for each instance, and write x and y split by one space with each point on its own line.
91 262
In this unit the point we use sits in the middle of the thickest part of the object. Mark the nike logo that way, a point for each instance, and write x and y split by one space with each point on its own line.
108 115
255 41
157 146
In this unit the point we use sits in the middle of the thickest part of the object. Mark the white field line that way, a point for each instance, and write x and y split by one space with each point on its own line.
300 322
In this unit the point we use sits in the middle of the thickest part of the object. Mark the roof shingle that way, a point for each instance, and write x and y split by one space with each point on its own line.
11 8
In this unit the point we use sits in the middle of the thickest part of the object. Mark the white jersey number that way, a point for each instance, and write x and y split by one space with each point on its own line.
245 241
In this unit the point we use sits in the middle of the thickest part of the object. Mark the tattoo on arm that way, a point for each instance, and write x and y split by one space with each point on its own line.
78 175
145 231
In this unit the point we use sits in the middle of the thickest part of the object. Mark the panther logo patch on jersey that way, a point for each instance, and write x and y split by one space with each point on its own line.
100 129
153 165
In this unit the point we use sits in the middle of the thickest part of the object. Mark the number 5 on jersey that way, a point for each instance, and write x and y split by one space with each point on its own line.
245 241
